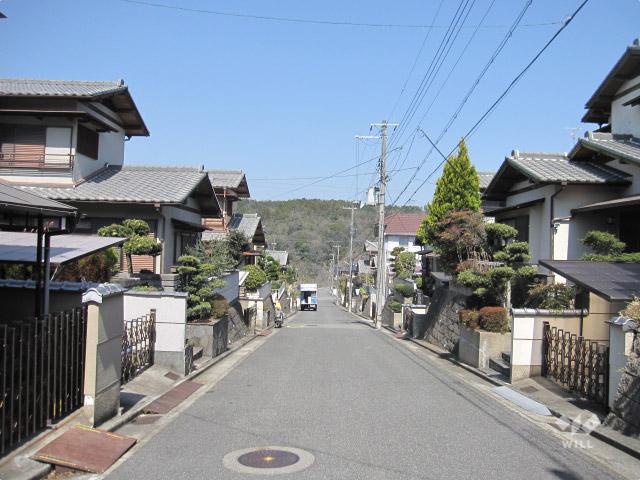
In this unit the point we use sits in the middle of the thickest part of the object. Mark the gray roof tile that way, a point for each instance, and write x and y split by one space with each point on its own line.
131 184
485 178
623 147
556 167
58 88
226 178
281 256
245 223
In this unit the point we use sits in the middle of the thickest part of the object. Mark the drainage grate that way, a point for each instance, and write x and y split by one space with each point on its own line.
268 459
529 389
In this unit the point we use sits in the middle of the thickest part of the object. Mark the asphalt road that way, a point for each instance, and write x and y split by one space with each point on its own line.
363 404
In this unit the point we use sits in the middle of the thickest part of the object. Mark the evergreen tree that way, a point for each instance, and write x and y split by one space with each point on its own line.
457 189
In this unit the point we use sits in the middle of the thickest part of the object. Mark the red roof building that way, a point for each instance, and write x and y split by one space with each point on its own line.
405 224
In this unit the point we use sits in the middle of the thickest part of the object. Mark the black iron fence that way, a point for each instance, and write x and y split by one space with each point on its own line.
138 345
41 373
578 364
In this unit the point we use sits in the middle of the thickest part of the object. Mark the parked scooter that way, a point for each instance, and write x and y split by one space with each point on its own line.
279 320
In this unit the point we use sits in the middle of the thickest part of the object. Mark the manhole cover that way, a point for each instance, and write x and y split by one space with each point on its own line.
268 460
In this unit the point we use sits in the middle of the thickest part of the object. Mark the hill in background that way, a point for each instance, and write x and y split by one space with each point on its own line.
308 229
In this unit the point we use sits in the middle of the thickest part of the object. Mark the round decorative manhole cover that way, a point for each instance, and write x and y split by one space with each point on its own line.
268 460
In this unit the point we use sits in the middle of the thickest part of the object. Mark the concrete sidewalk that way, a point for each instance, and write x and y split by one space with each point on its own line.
563 404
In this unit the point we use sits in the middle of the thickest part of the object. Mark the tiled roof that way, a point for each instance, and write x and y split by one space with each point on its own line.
226 178
403 223
628 66
245 223
485 179
281 256
15 199
131 184
58 88
556 167
370 246
622 147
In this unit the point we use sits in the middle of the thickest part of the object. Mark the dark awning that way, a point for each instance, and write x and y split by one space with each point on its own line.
20 247
188 226
611 281
512 208
608 204
16 200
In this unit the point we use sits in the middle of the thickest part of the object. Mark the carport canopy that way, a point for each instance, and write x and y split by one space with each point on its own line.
613 281
20 247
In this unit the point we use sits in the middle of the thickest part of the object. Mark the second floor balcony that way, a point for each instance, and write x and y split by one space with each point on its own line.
39 161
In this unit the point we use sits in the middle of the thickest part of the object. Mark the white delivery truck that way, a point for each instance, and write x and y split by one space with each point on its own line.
308 296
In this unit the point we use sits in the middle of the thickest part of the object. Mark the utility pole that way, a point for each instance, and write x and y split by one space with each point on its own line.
351 232
332 271
382 267
338 274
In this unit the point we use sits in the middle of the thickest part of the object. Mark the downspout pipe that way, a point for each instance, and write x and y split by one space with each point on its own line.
552 218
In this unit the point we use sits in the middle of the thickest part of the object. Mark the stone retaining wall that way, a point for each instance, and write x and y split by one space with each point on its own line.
441 325
625 412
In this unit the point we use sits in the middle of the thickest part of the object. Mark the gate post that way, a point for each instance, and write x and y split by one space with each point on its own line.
103 358
545 349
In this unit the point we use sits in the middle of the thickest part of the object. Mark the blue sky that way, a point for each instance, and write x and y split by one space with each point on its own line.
284 100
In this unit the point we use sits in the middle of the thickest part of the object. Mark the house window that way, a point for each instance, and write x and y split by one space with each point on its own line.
22 145
88 141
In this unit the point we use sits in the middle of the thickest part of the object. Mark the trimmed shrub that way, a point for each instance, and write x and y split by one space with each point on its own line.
470 318
603 243
551 296
632 310
469 278
494 319
395 306
632 257
498 234
256 277
405 290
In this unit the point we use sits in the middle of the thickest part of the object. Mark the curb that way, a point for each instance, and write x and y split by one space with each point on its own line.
600 434
464 366
118 422
115 423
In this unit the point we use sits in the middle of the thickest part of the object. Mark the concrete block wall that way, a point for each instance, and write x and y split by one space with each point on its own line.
171 317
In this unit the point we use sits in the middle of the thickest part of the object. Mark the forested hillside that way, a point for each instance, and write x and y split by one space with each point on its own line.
309 229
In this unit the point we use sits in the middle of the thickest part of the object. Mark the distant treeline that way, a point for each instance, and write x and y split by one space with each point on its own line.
308 229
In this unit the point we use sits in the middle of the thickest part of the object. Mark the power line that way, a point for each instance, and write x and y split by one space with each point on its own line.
464 50
328 177
286 179
415 61
449 39
493 106
303 20
503 42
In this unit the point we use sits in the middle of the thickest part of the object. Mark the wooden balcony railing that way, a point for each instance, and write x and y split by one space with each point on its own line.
57 161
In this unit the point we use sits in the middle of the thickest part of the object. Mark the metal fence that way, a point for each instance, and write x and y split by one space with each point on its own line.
41 373
579 364
138 345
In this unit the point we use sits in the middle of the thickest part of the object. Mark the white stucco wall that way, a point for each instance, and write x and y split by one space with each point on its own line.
626 120
171 314
110 151
568 230
166 233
